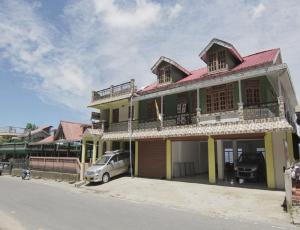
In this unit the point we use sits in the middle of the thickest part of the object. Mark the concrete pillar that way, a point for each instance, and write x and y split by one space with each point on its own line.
220 159
83 152
211 160
235 152
289 139
100 149
168 159
136 158
94 151
162 110
269 160
109 145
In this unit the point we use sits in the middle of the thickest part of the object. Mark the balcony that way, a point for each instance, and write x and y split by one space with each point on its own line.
244 112
261 111
113 93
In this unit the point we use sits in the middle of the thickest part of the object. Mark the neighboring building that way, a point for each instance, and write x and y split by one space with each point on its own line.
199 122
65 141
18 139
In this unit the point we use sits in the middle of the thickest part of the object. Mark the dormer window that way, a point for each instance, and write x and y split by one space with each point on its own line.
216 61
164 75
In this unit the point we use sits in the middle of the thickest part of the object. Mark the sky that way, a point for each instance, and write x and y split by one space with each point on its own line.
53 53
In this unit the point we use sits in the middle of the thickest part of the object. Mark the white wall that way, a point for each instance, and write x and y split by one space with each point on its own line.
280 160
189 151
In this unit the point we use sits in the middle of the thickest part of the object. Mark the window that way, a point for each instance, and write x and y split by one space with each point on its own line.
115 115
221 59
252 92
164 75
212 62
216 60
219 98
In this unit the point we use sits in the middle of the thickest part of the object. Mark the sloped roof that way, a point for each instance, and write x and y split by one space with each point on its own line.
263 58
170 61
72 130
229 46
46 140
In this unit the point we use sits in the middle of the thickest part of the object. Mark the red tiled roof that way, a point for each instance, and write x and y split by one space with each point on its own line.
251 61
45 140
72 130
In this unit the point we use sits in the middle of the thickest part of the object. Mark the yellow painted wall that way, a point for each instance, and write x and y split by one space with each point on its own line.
269 160
94 151
211 161
168 159
136 159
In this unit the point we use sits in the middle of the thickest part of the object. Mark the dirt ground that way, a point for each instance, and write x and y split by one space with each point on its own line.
256 205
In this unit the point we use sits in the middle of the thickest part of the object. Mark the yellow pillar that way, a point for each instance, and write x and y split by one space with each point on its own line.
110 116
100 150
168 159
108 145
290 147
94 151
136 158
211 161
269 160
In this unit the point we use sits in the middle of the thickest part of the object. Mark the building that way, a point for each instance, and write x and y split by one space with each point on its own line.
65 141
199 122
17 140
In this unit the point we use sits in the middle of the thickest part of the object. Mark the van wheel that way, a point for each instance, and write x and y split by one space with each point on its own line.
105 178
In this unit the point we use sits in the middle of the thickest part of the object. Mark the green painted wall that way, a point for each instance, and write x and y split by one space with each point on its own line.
170 105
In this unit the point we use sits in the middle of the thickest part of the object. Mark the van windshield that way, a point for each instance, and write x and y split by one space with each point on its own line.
103 160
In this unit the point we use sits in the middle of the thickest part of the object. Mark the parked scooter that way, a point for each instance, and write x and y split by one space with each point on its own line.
26 174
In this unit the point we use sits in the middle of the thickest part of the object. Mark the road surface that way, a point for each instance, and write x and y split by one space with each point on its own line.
38 206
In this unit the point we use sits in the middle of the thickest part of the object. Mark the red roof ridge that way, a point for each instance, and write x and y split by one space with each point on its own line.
264 51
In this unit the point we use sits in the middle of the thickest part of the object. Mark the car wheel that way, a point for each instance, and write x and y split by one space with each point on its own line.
105 178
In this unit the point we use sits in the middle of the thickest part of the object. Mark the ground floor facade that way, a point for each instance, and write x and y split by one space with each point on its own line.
213 157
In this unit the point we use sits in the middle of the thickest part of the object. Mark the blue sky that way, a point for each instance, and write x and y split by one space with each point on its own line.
54 53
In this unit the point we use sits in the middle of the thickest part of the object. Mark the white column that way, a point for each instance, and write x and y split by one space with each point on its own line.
220 159
162 110
240 92
279 87
198 99
235 152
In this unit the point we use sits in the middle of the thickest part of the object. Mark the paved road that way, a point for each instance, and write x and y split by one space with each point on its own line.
40 206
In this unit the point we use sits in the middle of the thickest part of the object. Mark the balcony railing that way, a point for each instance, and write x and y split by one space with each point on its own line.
12 130
114 91
260 111
246 112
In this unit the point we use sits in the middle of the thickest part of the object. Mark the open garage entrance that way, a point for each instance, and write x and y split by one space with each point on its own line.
241 161
190 159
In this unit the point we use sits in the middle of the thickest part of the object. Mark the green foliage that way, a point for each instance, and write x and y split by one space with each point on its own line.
31 126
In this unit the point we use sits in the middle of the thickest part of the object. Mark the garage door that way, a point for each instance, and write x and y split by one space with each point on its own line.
152 159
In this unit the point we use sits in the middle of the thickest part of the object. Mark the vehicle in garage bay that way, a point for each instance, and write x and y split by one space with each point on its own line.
250 166
111 164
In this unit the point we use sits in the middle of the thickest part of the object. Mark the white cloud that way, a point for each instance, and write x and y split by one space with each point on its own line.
143 14
107 42
258 10
175 11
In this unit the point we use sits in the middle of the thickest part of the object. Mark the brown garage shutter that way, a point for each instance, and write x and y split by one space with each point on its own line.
152 159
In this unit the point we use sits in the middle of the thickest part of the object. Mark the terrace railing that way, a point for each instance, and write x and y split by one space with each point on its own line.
261 110
114 91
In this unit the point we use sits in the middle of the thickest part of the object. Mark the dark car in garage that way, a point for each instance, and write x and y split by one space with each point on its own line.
251 166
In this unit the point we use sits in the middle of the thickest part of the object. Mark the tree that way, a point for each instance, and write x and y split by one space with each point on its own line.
31 126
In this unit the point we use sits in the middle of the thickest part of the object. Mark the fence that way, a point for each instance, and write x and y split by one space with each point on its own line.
55 164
